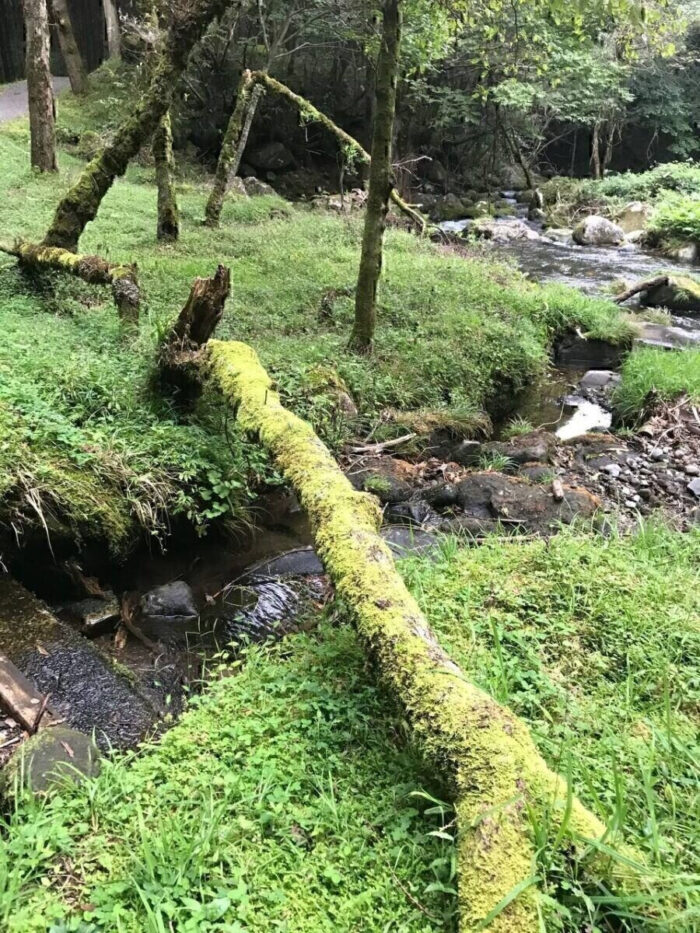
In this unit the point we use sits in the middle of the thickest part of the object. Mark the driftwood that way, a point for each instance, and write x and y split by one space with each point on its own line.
485 754
644 286
20 697
93 269
179 357
234 141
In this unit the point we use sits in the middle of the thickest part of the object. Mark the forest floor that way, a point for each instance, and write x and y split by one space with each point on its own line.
287 797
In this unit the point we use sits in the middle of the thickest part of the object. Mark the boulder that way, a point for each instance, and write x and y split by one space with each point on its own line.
436 172
685 252
504 231
272 157
574 350
598 231
681 294
237 186
559 234
254 187
51 757
449 208
633 217
169 612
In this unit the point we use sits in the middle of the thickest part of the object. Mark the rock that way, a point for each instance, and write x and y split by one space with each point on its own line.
404 540
535 447
272 157
513 177
574 350
692 469
387 488
86 690
597 379
94 616
300 562
613 470
436 172
598 231
537 473
514 501
414 512
559 234
449 208
694 487
682 294
686 252
504 231
237 186
441 496
666 337
635 237
468 526
463 452
633 217
255 612
254 187
51 757
169 612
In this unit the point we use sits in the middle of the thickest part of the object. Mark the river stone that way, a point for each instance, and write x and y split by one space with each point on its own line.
169 612
301 562
633 217
85 688
598 231
52 756
559 234
514 501
682 294
504 231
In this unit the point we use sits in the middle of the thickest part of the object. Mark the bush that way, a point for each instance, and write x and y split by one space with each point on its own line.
676 218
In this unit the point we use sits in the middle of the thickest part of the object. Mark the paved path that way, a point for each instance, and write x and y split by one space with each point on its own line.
13 98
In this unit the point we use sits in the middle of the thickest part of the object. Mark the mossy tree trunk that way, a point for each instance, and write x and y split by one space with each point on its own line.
82 202
168 213
42 111
114 42
484 753
309 114
381 180
75 66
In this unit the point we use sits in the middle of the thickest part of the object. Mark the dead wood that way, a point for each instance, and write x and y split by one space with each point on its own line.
645 286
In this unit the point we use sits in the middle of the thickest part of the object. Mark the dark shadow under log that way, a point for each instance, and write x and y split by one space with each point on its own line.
92 269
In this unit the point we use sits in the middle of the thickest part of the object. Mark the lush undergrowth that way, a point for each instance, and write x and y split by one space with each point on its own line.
454 335
283 800
650 376
677 218
596 644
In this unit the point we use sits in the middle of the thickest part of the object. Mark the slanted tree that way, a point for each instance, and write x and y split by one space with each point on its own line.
77 73
81 203
42 111
381 180
112 29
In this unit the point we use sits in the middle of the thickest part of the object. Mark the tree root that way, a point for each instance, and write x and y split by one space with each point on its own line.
232 149
93 269
492 768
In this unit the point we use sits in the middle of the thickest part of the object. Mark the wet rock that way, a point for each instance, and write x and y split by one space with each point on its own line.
254 187
449 208
301 562
666 337
257 612
681 294
414 512
598 231
504 231
634 216
52 756
514 501
272 157
574 350
169 612
559 234
85 688
598 379
94 616
404 540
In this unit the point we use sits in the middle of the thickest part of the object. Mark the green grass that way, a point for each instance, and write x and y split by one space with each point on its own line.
595 643
285 799
650 376
454 337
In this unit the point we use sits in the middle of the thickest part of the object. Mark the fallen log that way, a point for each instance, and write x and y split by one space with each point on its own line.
486 755
644 286
235 139
93 269
21 698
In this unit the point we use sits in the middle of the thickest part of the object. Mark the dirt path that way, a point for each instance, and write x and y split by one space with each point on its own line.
13 98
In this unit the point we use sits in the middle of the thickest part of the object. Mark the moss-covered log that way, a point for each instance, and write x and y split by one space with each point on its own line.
168 228
493 769
81 203
93 269
235 139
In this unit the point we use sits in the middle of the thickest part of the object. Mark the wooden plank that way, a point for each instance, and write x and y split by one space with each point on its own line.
21 697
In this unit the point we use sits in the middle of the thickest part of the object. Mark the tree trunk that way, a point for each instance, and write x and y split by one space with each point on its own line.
69 47
485 754
232 148
82 202
114 48
596 167
42 113
168 214
381 181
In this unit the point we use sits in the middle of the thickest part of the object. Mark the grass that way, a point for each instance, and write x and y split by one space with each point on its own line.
650 376
676 219
454 337
596 644
284 799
